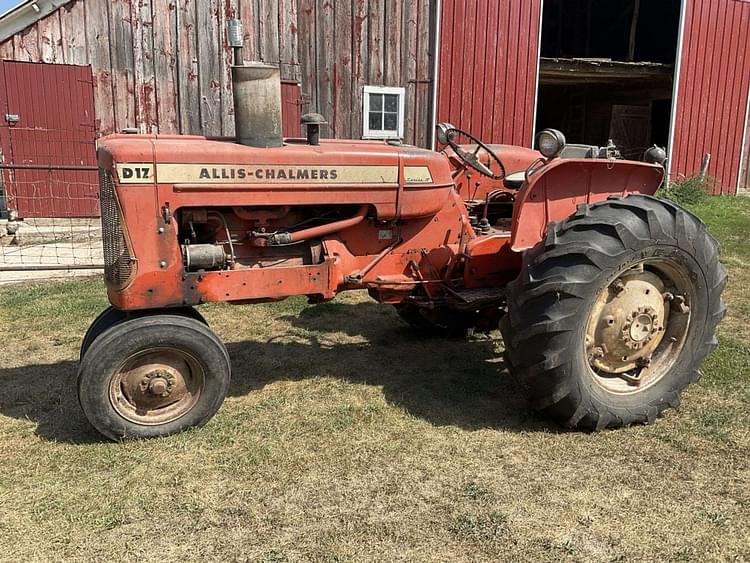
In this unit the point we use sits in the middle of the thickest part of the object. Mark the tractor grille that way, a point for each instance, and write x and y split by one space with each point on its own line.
118 265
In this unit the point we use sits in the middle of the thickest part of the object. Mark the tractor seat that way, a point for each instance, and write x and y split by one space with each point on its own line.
515 180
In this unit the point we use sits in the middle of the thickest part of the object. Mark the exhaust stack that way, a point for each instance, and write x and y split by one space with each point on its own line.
256 88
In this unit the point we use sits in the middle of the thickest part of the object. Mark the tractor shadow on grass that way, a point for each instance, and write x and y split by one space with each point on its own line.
445 381
46 395
457 382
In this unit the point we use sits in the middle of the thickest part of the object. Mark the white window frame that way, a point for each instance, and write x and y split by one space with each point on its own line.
368 133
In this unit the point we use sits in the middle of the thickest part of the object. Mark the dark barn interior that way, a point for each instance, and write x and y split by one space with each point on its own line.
607 71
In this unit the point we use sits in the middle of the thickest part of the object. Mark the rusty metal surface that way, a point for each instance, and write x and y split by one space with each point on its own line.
637 327
157 386
49 154
257 105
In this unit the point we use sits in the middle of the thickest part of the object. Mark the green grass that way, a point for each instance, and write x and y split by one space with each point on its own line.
345 438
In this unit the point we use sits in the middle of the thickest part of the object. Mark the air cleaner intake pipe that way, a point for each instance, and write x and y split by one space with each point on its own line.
256 88
257 105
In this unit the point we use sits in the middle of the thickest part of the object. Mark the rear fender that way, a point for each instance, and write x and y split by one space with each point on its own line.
555 191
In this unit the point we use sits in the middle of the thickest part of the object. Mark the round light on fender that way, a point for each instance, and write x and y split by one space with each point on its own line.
550 142
655 155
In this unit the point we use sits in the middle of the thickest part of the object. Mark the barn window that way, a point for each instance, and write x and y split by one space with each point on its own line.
383 112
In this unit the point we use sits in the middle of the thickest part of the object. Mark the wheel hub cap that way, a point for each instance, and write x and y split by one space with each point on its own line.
158 382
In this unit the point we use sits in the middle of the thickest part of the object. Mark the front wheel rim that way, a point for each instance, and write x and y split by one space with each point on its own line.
638 326
157 386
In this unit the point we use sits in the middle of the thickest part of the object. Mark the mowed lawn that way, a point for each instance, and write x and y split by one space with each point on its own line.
348 438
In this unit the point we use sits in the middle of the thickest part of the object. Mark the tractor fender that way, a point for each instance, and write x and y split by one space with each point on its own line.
554 191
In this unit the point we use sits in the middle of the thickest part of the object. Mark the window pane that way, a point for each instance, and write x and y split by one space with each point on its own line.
376 120
391 102
376 102
391 122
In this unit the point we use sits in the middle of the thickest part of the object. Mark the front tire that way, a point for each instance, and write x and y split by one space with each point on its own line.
614 312
153 376
111 316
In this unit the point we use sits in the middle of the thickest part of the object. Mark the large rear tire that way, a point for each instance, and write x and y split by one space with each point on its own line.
153 376
612 315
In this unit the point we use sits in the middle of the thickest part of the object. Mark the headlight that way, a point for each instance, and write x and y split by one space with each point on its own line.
550 142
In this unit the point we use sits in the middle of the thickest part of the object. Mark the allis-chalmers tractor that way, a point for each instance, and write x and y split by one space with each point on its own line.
607 297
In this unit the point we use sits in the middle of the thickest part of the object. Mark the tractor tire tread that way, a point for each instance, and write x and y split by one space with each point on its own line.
544 303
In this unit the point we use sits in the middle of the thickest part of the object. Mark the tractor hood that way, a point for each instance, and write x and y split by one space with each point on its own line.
398 180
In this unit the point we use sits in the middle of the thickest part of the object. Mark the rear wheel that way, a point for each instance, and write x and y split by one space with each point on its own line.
111 316
613 314
153 376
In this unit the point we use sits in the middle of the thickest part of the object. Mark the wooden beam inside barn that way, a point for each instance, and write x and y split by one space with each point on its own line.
567 71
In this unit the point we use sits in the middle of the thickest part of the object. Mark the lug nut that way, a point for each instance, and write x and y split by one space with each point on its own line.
644 362
597 353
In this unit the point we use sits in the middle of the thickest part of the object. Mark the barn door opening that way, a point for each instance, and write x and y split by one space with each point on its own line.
607 71
47 131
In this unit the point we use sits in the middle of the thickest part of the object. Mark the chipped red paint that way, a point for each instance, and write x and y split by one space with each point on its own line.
291 108
55 129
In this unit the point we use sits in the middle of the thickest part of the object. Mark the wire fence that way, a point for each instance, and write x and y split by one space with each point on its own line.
52 228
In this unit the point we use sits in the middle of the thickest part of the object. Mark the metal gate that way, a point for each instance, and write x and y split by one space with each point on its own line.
47 140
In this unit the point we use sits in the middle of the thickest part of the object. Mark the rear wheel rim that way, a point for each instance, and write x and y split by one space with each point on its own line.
638 326
157 386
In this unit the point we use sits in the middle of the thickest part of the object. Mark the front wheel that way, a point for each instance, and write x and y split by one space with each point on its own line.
153 376
614 312
111 316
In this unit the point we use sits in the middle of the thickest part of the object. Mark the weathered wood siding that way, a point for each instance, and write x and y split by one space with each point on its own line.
163 66
347 44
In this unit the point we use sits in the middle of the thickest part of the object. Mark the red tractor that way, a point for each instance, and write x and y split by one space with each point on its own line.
607 297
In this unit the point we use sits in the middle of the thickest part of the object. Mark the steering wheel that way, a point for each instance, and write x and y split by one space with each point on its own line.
447 134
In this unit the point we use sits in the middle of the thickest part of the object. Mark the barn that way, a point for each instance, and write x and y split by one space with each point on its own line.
674 73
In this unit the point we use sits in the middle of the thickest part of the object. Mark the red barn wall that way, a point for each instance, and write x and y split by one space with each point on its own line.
713 92
489 56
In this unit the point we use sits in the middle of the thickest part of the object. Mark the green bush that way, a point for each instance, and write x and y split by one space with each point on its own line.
690 191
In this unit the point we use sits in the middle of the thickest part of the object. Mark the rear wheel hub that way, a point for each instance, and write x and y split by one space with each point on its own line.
628 325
